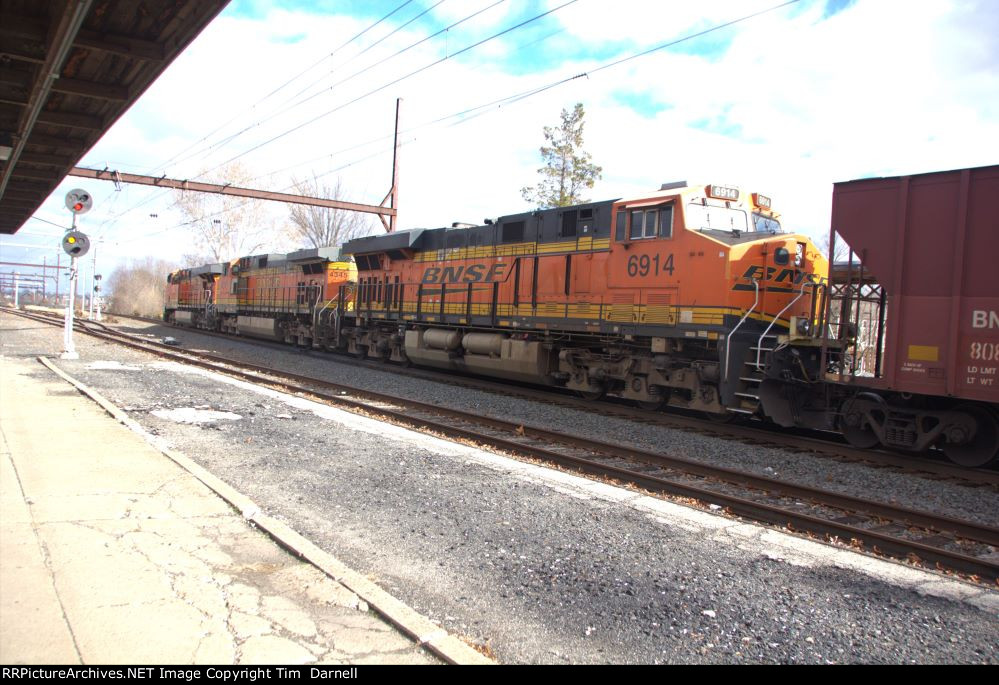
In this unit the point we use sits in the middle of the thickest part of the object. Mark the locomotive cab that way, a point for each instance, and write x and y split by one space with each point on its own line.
716 283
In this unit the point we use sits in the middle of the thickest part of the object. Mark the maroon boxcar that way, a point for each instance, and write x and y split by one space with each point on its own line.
908 342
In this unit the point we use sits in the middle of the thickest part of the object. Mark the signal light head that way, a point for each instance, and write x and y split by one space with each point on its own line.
79 201
75 244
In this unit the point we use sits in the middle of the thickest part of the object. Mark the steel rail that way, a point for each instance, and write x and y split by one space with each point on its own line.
767 436
919 466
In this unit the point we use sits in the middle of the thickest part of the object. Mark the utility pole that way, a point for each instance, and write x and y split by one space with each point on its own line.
82 290
93 281
97 290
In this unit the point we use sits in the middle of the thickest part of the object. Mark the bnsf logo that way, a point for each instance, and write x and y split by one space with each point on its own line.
473 273
984 319
795 276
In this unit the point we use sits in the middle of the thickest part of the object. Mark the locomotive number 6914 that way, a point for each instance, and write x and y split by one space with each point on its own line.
643 265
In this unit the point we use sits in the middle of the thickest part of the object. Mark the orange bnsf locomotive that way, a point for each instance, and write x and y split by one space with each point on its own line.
673 298
273 296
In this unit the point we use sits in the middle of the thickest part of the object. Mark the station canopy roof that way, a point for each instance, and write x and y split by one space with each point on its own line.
68 70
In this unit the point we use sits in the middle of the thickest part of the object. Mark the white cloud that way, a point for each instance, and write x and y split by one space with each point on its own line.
793 104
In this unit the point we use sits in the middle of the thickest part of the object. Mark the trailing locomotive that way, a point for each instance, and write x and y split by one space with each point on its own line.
272 296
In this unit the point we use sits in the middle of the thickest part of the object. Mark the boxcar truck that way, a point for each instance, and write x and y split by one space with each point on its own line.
904 350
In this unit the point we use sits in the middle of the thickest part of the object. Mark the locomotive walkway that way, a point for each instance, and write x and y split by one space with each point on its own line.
113 553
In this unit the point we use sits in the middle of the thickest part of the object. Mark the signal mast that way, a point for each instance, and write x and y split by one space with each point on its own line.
76 244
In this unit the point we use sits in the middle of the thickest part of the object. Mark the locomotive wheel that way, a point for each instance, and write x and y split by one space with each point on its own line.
726 417
653 405
984 447
591 395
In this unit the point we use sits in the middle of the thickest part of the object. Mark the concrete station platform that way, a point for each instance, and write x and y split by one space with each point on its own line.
113 553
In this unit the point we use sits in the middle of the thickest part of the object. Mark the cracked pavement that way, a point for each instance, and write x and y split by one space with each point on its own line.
114 554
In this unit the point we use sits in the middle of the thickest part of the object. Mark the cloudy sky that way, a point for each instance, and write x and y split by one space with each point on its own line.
784 103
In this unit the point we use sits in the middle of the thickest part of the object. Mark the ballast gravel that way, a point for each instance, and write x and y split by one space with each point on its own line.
859 480
537 571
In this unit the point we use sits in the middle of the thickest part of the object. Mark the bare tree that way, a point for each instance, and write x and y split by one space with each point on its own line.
226 227
324 226
842 249
139 287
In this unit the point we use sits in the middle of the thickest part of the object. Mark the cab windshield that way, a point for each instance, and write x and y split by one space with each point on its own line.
711 217
765 224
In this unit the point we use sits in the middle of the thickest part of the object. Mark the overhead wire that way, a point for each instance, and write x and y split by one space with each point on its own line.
402 51
225 141
285 84
392 83
377 42
239 205
479 110
278 89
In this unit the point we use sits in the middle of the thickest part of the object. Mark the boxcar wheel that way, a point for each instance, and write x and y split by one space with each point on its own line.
853 427
861 438
981 450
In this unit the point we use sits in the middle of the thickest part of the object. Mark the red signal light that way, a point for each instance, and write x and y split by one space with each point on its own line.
77 207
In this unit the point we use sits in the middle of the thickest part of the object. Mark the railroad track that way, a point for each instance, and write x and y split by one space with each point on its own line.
917 537
935 466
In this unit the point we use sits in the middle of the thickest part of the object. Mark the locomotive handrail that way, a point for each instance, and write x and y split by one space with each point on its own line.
759 343
728 343
318 316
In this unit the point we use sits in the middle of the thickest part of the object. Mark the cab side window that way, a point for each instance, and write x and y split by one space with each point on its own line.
637 224
666 222
649 223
